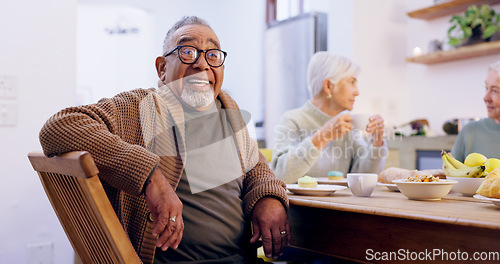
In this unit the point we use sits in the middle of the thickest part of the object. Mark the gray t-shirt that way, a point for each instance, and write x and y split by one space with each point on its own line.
481 136
213 214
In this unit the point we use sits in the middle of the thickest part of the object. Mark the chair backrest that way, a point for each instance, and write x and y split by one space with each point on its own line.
80 202
268 153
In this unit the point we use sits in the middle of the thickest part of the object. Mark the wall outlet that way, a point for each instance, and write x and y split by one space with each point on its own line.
8 87
41 253
8 112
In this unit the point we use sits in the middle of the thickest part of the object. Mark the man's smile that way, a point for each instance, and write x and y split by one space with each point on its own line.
199 83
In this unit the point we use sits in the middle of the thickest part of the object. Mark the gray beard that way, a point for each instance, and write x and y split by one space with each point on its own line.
196 99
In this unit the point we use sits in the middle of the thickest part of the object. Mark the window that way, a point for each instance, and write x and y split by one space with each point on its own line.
277 10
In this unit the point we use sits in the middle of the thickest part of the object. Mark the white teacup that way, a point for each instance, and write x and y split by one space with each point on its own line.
360 121
362 184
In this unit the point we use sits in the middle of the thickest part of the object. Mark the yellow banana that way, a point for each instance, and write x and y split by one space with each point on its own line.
456 163
479 172
446 161
470 172
454 168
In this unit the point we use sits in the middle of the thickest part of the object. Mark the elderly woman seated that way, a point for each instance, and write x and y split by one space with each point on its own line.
318 137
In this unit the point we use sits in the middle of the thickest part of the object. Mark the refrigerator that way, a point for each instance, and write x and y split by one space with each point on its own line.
289 44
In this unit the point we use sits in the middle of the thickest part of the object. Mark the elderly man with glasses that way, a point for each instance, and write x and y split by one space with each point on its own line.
177 162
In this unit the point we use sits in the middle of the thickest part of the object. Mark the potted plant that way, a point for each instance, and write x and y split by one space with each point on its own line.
475 25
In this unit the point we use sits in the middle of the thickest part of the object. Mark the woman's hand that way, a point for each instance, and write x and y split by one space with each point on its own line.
376 127
334 129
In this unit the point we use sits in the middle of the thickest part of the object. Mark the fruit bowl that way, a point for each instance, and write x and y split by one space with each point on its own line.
466 186
427 191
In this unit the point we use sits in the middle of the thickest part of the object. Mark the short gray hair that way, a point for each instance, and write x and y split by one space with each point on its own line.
185 21
495 67
324 65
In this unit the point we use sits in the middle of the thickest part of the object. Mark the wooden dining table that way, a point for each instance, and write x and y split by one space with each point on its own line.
388 227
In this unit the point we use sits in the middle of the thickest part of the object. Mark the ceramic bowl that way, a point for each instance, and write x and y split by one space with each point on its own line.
466 186
425 190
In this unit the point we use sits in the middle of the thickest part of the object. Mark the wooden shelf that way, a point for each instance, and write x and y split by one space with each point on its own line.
460 53
448 8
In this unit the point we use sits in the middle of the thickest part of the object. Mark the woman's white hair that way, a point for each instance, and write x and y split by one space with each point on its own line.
324 65
495 67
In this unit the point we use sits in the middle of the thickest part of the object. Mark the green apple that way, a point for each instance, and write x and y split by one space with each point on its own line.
490 164
475 159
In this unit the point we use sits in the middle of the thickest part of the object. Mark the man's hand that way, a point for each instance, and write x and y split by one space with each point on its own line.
166 209
270 220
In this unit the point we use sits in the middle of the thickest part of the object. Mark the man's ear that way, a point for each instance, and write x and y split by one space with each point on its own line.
160 66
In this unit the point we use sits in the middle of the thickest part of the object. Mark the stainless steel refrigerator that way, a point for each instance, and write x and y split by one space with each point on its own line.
289 44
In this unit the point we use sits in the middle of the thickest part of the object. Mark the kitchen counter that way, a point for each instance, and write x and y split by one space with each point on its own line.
403 150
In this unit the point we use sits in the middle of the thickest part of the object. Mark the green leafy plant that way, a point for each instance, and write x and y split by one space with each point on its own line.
482 21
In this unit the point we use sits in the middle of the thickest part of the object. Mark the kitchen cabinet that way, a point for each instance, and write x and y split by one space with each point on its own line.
406 152
460 53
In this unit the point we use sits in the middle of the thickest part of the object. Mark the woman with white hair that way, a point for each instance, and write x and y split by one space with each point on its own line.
483 136
318 137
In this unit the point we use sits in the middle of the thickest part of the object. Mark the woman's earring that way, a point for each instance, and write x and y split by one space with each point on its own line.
329 96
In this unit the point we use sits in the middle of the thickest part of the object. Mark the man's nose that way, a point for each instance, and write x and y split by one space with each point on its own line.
486 97
201 63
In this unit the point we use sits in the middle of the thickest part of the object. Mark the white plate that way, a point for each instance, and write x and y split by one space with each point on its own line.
391 186
320 190
325 180
493 200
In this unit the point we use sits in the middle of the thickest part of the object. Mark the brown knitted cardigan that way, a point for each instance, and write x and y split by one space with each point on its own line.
112 132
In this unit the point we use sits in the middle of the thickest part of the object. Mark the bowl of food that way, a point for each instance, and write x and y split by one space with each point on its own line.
424 187
465 185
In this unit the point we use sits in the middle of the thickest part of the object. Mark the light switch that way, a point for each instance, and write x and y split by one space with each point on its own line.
41 253
8 112
8 87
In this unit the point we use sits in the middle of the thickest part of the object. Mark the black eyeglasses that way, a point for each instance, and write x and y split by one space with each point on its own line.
189 55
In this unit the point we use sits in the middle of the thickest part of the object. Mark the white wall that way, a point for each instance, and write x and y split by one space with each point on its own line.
239 26
115 50
379 49
37 48
447 90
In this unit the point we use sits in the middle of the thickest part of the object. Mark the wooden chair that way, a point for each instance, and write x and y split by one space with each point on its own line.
80 202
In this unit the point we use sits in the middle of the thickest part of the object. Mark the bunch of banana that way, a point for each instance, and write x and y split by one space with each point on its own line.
454 168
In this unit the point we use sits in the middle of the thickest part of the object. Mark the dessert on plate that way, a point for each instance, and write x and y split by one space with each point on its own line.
307 182
335 175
